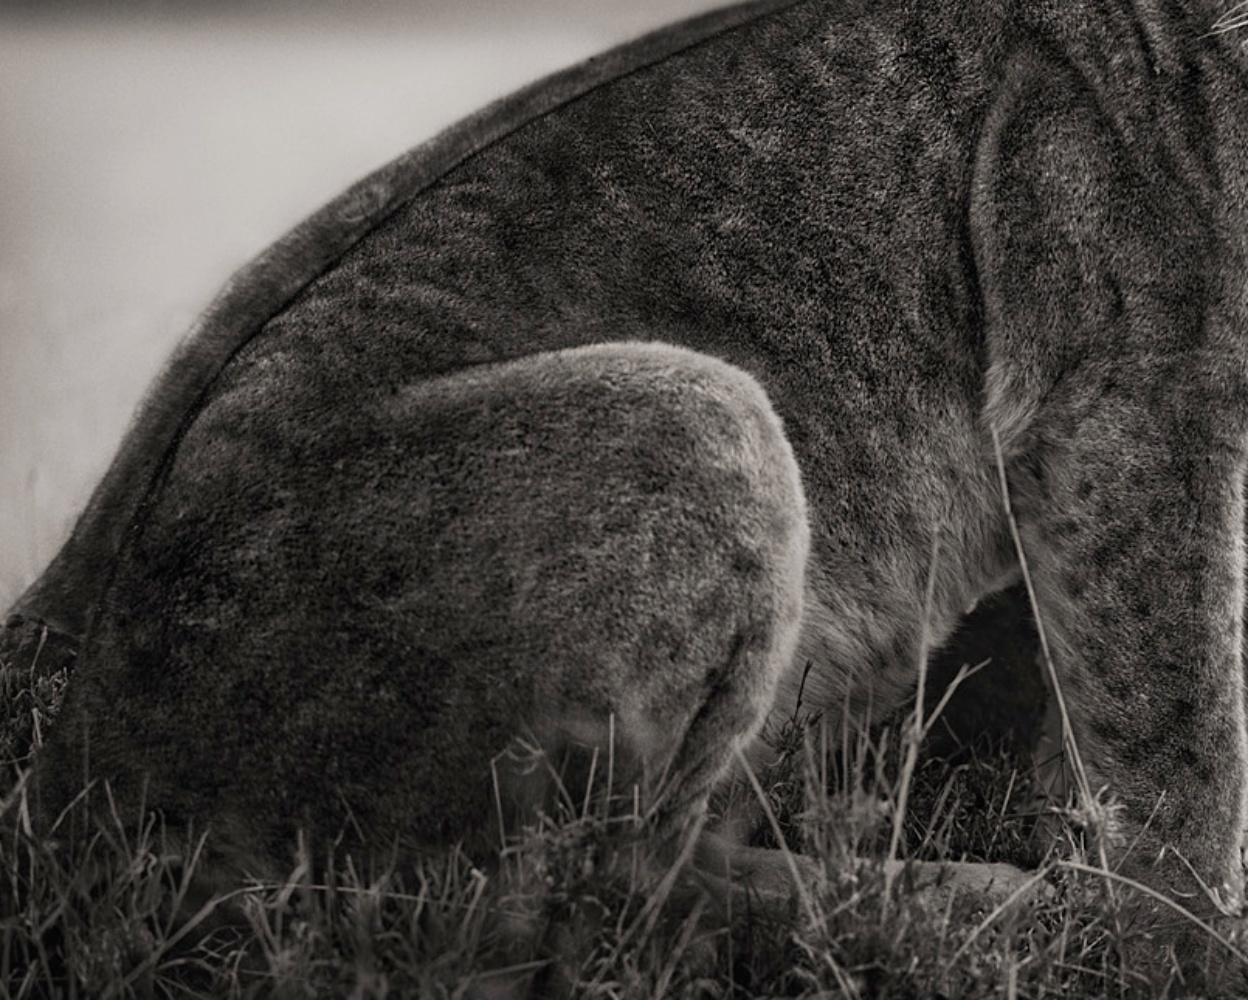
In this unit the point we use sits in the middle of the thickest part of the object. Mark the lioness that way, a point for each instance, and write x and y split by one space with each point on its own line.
610 409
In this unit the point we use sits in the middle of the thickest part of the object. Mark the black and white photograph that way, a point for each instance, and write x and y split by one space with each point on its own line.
588 500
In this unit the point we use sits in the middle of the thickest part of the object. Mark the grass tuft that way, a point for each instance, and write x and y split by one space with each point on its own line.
579 904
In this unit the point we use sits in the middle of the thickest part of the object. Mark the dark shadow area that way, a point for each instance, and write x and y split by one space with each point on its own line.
1002 703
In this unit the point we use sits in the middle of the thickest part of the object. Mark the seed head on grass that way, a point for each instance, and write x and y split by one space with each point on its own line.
35 667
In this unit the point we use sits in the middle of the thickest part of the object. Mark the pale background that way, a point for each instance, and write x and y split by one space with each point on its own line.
146 155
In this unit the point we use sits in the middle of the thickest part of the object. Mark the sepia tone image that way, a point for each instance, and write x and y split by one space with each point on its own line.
597 500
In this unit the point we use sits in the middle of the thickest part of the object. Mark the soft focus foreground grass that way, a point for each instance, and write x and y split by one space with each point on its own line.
575 905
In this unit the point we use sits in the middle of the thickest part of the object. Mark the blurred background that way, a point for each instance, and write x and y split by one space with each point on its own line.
147 152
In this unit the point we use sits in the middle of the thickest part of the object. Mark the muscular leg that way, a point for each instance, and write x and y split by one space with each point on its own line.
1137 557
531 548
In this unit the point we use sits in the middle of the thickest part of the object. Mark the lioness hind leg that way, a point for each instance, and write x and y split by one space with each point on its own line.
564 546
702 677
669 600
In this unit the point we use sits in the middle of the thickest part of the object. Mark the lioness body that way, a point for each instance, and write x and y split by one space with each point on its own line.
414 516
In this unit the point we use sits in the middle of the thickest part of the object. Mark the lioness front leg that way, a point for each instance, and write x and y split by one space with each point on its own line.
1142 610
1117 387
